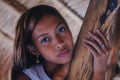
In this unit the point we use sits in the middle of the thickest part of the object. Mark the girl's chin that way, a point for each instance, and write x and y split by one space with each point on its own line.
65 62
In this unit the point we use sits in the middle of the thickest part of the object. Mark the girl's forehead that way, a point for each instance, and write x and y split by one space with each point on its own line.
50 17
47 23
44 20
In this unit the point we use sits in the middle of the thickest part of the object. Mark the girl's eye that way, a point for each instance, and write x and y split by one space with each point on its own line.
44 40
61 30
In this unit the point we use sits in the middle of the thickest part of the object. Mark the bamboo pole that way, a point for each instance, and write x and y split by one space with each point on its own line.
99 15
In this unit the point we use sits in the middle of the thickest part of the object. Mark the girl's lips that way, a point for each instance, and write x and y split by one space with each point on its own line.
64 53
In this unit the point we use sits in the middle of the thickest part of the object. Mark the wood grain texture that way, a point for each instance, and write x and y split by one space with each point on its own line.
100 14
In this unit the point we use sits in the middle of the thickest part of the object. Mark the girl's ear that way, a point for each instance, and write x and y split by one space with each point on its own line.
32 49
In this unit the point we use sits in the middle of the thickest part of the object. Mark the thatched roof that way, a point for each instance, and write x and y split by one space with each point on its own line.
10 11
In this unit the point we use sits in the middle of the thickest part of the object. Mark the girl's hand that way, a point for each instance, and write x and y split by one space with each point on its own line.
62 72
99 47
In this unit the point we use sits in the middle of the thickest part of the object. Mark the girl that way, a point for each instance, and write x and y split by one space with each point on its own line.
43 46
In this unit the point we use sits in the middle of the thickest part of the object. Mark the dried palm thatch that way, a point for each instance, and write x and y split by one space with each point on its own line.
71 18
79 7
7 15
8 19
5 56
81 67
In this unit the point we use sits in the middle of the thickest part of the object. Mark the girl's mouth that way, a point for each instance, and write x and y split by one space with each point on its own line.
64 53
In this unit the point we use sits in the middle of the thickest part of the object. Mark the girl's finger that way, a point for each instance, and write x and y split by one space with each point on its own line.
91 50
94 45
103 38
95 37
98 40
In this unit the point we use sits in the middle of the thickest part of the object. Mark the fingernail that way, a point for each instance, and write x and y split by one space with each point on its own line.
97 30
89 33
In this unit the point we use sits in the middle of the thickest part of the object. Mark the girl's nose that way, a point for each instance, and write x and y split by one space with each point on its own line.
59 44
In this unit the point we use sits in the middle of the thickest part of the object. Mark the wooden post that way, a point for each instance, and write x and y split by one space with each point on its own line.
100 14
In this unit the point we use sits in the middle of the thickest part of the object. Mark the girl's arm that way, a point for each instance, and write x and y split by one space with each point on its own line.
99 47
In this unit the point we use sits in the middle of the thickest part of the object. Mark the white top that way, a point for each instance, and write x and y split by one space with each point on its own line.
36 72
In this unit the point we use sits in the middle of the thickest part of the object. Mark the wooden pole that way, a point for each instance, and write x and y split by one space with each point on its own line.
100 14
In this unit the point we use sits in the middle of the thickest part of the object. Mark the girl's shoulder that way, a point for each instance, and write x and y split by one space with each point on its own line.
36 72
22 76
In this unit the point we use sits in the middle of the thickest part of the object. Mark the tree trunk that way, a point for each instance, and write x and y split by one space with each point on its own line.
100 15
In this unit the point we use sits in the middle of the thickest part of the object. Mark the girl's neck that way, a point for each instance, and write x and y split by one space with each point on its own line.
50 68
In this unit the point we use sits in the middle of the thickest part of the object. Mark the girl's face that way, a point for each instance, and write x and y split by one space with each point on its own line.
53 40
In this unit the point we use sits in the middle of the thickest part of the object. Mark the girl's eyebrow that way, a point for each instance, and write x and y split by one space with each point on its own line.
60 23
41 35
48 33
